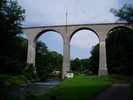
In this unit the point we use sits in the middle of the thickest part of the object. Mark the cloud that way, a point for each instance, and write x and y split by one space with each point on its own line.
84 39
52 12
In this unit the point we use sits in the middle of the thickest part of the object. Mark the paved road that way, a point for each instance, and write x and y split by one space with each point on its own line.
118 91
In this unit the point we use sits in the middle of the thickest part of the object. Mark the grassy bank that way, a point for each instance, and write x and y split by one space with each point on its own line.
79 88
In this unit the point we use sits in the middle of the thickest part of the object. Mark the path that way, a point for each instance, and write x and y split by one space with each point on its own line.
34 88
118 91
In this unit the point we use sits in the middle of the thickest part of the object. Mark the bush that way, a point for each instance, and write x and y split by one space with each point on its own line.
8 82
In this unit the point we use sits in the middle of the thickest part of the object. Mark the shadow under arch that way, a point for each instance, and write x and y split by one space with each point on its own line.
81 29
113 39
119 27
45 31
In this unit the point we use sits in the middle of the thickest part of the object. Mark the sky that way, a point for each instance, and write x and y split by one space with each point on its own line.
53 12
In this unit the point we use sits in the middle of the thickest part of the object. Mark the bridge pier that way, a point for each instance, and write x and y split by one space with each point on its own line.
103 70
66 58
31 54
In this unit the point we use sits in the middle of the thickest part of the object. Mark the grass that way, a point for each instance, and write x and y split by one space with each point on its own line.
79 88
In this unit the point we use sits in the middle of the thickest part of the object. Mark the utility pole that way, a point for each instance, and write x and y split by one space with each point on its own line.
66 20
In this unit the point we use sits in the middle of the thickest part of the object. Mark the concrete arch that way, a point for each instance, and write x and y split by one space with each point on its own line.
80 29
116 27
45 32
48 30
88 37
124 28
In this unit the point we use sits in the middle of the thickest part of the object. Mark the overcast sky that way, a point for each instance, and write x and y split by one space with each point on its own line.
53 12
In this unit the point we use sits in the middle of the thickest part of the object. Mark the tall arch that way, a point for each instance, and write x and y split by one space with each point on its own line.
117 27
80 29
47 30
85 44
119 39
54 42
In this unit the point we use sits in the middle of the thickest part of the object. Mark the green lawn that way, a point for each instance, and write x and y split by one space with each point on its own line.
79 88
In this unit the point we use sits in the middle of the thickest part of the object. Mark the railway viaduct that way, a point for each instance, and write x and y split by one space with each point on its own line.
67 31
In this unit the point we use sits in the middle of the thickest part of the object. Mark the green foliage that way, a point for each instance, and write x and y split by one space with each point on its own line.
47 61
87 66
125 13
80 65
9 82
13 61
11 15
94 59
76 64
119 51
13 50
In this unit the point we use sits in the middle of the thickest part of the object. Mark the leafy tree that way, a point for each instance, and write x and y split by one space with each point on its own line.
125 13
15 63
80 65
47 61
76 64
41 52
12 47
11 16
119 51
94 59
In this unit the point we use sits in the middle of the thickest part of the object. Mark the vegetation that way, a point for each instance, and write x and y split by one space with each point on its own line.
80 65
87 66
94 59
119 46
125 13
13 47
47 61
119 42
13 58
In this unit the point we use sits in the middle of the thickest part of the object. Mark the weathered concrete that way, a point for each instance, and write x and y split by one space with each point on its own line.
102 59
100 30
66 58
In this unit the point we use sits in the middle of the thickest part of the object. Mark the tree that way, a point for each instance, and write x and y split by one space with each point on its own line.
14 63
41 52
80 65
76 64
125 13
94 59
120 48
119 51
11 16
47 61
